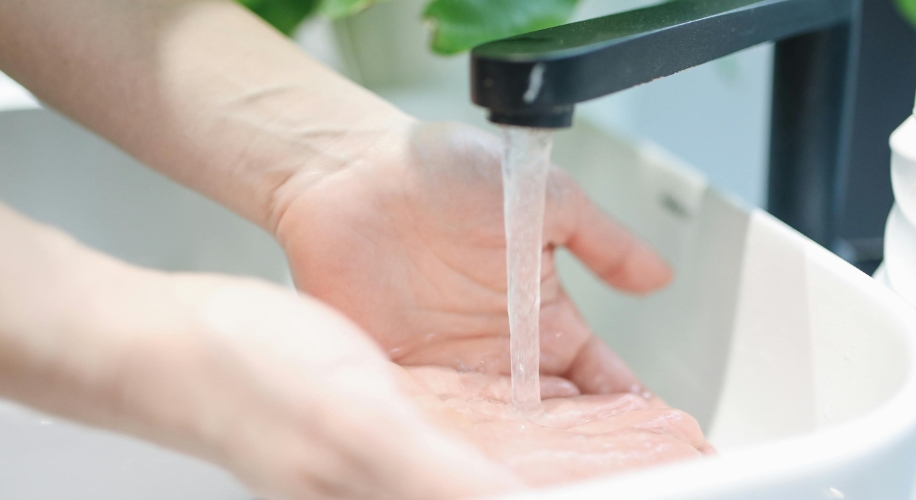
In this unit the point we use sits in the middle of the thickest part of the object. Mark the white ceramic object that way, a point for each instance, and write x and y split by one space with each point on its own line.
900 253
799 367
900 233
903 165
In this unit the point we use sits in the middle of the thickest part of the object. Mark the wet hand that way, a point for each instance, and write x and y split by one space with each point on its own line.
274 386
408 241
285 393
575 437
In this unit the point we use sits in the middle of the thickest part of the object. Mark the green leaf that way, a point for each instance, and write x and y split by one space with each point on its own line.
336 9
462 24
908 9
285 15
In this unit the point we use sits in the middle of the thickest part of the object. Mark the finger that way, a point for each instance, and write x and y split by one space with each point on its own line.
708 449
563 331
572 456
598 370
571 412
674 423
591 365
607 248
449 383
557 387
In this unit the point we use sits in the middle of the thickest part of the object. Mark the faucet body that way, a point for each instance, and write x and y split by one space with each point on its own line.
536 79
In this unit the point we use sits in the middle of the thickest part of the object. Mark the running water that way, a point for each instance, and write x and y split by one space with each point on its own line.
525 163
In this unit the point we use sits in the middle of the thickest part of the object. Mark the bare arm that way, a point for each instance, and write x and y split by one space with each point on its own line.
283 391
279 389
395 223
200 90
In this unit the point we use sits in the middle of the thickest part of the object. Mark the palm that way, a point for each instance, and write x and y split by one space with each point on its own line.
576 437
410 243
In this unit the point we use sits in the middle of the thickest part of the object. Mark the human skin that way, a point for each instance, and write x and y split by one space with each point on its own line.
425 269
393 222
285 392
573 437
278 388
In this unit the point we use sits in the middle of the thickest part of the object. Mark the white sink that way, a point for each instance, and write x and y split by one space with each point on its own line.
798 366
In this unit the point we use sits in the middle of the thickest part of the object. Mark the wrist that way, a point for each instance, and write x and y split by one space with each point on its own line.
333 151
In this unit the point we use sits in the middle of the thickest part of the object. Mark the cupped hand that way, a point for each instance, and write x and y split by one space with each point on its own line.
408 240
276 387
298 402
573 438
287 394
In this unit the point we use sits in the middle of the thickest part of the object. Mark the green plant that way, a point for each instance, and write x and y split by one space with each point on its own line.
908 9
285 15
457 24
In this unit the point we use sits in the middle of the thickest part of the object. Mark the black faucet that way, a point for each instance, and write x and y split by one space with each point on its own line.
536 79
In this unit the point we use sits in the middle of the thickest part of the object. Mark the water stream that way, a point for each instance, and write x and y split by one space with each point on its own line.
525 163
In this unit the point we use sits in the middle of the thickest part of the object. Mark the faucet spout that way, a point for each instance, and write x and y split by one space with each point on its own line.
536 79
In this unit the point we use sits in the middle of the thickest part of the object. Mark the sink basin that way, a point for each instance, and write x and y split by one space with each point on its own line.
798 366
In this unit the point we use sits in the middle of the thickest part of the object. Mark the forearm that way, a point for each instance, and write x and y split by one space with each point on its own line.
82 334
53 346
201 90
280 389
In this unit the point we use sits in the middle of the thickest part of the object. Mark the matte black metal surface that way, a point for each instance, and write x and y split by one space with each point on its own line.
884 97
810 129
539 76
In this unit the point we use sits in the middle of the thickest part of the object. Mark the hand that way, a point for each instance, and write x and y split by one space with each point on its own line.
291 397
408 240
576 437
295 400
278 388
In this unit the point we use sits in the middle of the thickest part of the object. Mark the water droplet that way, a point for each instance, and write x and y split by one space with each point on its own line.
832 492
